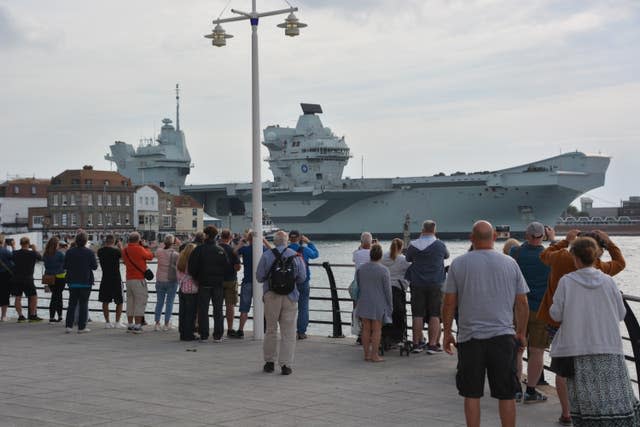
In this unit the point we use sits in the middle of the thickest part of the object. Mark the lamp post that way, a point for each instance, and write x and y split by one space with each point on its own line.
219 38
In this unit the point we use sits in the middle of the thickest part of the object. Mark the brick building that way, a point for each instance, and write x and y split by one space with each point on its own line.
16 197
100 202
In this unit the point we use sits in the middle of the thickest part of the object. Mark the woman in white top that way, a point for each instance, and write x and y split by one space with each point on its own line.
587 349
397 265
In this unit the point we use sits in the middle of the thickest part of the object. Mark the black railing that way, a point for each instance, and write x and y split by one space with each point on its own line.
336 289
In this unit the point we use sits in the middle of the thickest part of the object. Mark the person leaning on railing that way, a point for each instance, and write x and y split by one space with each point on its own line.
53 259
561 262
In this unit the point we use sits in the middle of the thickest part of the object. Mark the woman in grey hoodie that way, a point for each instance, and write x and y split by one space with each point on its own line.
589 306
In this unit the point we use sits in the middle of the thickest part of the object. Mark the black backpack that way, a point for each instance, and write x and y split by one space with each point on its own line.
282 275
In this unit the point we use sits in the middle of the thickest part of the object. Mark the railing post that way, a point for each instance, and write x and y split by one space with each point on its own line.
335 302
634 336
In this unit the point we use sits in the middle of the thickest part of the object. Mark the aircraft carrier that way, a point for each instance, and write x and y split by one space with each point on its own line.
308 192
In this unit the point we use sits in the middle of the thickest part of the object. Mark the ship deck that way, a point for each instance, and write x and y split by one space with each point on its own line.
109 377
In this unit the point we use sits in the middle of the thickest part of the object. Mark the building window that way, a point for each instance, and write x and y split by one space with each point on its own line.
141 219
34 190
88 182
99 219
75 181
108 199
161 184
194 223
126 200
126 219
119 219
153 200
106 182
90 220
64 220
107 218
55 200
146 201
89 199
38 220
117 200
194 212
99 199
55 219
74 219
318 176
166 220
72 199
16 189
140 199
64 200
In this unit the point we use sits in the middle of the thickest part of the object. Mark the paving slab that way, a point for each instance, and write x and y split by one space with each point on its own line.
109 377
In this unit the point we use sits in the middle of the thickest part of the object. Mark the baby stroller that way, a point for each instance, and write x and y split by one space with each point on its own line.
394 335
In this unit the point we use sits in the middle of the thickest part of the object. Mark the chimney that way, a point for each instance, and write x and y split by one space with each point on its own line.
87 168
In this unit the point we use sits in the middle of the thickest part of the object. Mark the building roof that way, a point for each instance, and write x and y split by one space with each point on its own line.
186 202
32 181
97 177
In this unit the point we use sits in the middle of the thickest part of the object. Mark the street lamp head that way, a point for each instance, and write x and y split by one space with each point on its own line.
219 36
292 25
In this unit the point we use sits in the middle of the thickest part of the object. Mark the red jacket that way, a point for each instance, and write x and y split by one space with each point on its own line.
135 257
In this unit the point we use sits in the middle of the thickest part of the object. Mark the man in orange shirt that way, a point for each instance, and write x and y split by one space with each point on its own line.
135 257
561 262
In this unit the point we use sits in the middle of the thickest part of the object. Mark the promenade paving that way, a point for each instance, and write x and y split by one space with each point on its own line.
110 378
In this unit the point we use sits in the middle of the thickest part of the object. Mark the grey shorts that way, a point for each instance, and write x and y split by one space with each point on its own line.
137 296
426 302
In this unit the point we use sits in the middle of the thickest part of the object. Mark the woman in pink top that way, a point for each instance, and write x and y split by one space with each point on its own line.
166 282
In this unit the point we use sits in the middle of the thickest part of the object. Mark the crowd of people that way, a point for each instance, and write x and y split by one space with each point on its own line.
528 298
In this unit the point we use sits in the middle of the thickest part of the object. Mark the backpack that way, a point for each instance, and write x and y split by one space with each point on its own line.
282 275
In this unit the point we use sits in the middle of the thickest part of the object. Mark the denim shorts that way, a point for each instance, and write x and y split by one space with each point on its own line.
246 293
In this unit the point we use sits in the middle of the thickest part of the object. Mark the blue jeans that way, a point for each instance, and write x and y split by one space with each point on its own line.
165 291
303 307
78 297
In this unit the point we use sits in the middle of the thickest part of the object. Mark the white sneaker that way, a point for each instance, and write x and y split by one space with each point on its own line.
167 327
4 319
84 331
109 325
119 325
68 330
157 327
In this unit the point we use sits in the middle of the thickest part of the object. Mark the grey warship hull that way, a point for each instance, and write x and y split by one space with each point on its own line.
514 197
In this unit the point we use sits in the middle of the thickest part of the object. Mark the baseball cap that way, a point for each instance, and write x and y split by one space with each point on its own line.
535 229
294 233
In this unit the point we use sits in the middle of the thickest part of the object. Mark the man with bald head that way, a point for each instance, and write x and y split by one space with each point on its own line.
485 285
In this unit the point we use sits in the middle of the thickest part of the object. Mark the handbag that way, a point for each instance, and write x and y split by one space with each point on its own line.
563 366
148 274
49 279
354 289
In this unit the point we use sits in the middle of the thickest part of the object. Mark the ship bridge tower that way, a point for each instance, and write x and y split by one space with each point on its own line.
309 155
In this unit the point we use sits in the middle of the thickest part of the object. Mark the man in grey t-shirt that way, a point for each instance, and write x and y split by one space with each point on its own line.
485 286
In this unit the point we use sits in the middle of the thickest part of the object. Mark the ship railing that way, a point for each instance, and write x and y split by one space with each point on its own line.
330 304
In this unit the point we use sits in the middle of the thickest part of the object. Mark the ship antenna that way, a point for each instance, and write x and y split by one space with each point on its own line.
177 106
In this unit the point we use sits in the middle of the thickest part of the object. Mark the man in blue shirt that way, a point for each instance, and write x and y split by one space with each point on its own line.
536 274
280 309
308 251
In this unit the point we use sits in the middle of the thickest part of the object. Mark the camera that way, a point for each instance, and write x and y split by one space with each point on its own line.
594 236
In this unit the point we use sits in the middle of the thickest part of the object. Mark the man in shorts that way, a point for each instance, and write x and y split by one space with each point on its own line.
230 283
111 283
135 257
25 260
536 273
426 277
486 286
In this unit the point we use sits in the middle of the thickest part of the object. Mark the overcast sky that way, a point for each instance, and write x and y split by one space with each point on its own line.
416 86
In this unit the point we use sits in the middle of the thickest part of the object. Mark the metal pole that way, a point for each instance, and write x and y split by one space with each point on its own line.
256 193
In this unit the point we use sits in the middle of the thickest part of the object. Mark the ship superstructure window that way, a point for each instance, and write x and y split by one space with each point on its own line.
318 176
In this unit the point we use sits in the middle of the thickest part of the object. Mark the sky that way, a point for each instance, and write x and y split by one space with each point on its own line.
416 87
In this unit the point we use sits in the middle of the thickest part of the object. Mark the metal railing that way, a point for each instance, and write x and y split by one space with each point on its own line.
338 296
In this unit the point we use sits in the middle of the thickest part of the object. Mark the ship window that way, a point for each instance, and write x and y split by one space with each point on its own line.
318 176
